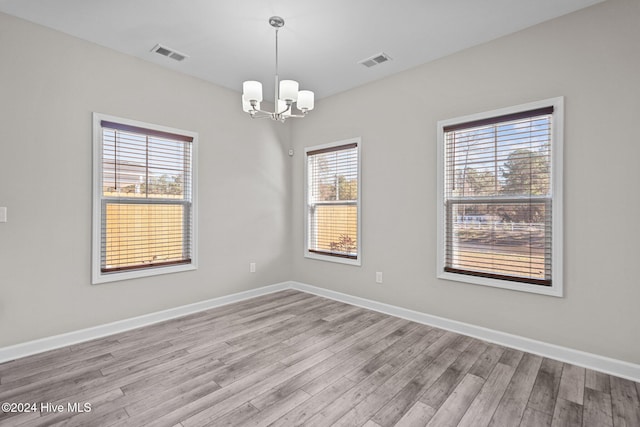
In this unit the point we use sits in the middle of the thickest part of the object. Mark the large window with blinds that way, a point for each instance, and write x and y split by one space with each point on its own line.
144 205
500 198
333 202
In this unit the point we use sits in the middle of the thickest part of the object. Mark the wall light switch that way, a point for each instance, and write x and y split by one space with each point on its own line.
252 267
378 276
3 214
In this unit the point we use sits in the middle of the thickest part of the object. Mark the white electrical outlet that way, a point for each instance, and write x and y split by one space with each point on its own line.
252 267
378 276
3 214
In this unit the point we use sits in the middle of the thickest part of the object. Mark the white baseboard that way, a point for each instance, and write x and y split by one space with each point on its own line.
604 364
50 343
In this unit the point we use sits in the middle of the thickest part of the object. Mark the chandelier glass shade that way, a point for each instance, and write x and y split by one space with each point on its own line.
287 92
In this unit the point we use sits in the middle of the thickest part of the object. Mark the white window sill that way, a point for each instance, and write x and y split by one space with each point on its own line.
134 274
329 258
554 290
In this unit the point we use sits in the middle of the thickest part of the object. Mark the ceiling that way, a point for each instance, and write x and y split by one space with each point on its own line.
320 45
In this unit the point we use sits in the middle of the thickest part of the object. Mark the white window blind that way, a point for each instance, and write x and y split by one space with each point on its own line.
146 198
333 201
498 197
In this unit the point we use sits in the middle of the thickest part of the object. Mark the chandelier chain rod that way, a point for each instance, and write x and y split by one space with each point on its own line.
276 90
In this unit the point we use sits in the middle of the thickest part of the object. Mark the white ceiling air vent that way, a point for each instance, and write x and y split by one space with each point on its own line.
171 53
376 59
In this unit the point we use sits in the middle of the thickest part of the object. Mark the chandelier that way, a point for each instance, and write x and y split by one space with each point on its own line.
286 92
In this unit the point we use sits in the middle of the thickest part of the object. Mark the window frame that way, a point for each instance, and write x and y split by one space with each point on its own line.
357 261
98 276
557 133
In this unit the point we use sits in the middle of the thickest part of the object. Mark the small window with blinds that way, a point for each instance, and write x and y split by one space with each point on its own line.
144 214
333 202
500 198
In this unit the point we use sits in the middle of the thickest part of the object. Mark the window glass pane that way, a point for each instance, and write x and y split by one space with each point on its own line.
332 190
146 216
143 234
168 166
507 158
336 228
123 163
334 175
511 239
136 165
498 198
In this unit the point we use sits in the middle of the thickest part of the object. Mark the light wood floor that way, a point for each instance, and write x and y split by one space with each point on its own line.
291 358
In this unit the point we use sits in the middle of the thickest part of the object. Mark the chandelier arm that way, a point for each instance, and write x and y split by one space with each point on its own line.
266 116
256 113
255 110
285 110
260 113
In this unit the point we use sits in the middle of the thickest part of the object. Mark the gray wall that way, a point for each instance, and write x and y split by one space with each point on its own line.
50 84
592 57
251 195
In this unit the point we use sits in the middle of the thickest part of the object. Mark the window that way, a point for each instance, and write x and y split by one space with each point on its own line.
333 202
144 206
500 198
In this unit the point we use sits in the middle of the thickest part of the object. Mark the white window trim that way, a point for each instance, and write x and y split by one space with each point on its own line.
556 288
312 255
96 274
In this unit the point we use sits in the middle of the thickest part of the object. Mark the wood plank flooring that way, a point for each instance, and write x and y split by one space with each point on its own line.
292 358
